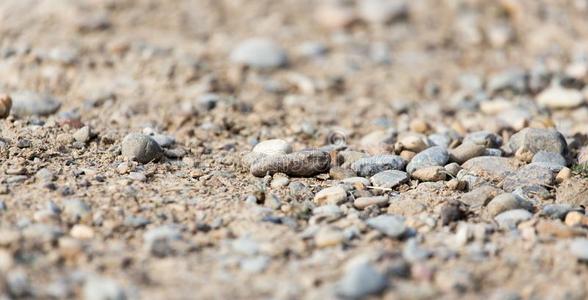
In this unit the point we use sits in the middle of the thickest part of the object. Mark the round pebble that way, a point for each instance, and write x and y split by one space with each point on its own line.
141 148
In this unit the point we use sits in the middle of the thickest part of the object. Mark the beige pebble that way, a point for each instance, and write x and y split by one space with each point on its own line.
434 173
328 237
419 125
82 232
5 105
564 173
331 195
575 218
363 202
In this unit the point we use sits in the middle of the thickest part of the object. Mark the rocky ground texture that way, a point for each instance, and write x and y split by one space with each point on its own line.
293 149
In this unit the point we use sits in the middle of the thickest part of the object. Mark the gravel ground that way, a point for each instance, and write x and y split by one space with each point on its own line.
293 149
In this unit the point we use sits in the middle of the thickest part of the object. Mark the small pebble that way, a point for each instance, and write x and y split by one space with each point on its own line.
434 173
369 166
260 53
511 218
27 103
360 280
505 202
5 105
390 225
434 156
557 97
273 147
579 248
141 148
389 179
363 202
331 195
298 164
100 288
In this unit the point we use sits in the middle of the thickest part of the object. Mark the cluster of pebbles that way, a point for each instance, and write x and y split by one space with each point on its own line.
359 149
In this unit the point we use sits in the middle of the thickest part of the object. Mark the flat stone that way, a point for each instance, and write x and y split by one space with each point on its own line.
528 175
370 166
435 173
298 164
557 97
260 53
537 139
331 195
489 166
363 202
511 218
390 225
434 156
28 103
505 202
549 157
466 151
389 179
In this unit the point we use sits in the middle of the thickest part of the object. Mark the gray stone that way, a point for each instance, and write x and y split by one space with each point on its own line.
549 157
259 53
389 179
141 148
556 211
505 202
83 134
440 139
492 152
466 151
579 248
537 139
360 280
434 156
483 138
370 166
163 140
76 209
299 164
513 80
489 166
99 288
254 264
528 175
390 225
480 196
18 283
28 103
157 241
413 252
511 218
